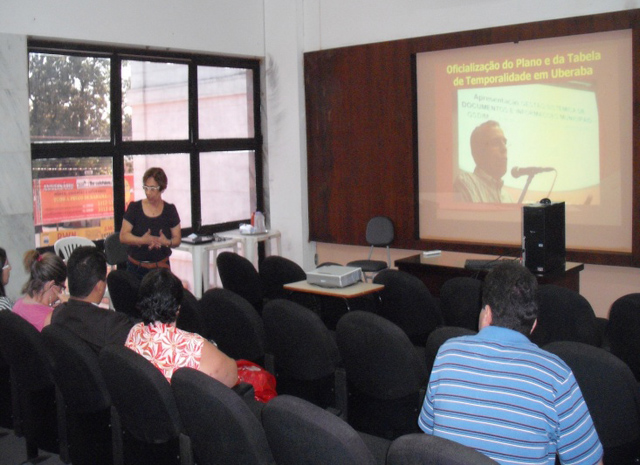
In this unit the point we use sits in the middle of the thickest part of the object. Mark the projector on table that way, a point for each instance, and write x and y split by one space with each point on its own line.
334 276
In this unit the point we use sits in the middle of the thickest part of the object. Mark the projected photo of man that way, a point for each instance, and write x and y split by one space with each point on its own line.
489 151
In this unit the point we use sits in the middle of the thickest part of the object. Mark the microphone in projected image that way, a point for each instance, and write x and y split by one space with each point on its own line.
530 172
516 172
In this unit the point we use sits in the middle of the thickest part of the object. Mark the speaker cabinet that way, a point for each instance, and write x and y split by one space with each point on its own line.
543 236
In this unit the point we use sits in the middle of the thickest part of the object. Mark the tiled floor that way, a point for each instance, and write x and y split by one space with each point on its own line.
13 451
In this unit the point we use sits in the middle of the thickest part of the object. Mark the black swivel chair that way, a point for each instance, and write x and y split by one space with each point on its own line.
275 272
189 317
380 233
420 448
302 433
233 324
611 394
407 302
305 355
123 291
238 274
623 330
386 375
223 428
35 412
83 393
461 302
146 424
564 315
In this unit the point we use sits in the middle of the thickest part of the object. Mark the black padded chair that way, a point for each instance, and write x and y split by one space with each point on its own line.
115 251
426 449
438 337
238 274
386 375
146 424
380 233
123 291
233 324
190 318
461 302
5 394
301 432
611 394
223 428
623 330
305 355
35 413
275 272
564 315
407 302
83 393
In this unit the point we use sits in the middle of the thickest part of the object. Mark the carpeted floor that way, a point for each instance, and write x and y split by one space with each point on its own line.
13 451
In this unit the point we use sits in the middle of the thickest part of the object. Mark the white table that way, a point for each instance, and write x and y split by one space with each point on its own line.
200 258
250 243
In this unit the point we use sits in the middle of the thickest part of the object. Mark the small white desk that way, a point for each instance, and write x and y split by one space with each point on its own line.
250 243
200 257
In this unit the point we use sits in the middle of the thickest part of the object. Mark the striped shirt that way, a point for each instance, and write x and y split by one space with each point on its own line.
504 396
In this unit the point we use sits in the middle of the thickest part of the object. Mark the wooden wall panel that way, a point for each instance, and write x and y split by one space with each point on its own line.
361 133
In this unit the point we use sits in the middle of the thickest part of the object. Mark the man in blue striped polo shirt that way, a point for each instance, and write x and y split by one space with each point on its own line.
501 394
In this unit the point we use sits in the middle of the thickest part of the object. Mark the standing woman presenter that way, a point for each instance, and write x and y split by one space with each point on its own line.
151 226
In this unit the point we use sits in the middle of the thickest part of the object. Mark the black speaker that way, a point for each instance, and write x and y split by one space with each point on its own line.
543 236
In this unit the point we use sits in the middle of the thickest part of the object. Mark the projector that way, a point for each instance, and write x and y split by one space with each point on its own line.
334 276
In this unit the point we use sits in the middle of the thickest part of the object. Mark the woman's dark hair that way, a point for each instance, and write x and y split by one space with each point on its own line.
42 268
158 175
159 296
3 262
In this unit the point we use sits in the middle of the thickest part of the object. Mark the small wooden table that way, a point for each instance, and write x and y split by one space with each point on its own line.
435 270
355 290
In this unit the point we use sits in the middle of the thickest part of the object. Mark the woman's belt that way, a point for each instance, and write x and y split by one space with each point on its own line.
164 263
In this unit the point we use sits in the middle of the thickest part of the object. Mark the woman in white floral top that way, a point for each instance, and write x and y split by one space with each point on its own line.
159 340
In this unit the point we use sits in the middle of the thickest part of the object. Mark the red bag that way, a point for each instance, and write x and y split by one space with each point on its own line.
263 382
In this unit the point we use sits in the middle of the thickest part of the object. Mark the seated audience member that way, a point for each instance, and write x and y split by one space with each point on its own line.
87 268
159 340
43 290
5 302
501 394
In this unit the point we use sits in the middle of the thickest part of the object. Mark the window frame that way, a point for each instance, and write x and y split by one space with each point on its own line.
117 149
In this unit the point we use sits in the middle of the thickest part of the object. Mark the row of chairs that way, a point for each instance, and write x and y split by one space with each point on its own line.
119 402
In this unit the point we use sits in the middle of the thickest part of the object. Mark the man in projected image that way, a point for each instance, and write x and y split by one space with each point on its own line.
489 151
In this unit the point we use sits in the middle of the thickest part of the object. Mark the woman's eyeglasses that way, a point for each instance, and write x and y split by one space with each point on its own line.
151 188
6 266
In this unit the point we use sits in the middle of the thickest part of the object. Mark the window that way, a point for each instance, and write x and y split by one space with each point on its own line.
101 116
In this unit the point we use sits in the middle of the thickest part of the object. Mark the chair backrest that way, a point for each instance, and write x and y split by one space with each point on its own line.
407 302
564 315
66 245
238 274
141 395
123 291
300 342
300 432
222 427
426 449
611 393
234 324
378 356
461 302
623 330
380 231
276 271
114 250
76 371
190 318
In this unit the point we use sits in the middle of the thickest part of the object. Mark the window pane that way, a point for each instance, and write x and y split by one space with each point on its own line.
225 102
72 197
69 98
155 101
227 186
175 166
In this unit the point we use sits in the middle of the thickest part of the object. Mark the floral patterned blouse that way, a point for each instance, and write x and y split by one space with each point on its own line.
166 346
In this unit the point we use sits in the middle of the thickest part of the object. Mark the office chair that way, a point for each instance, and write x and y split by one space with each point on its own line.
623 330
239 275
275 272
461 302
421 448
115 251
380 233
